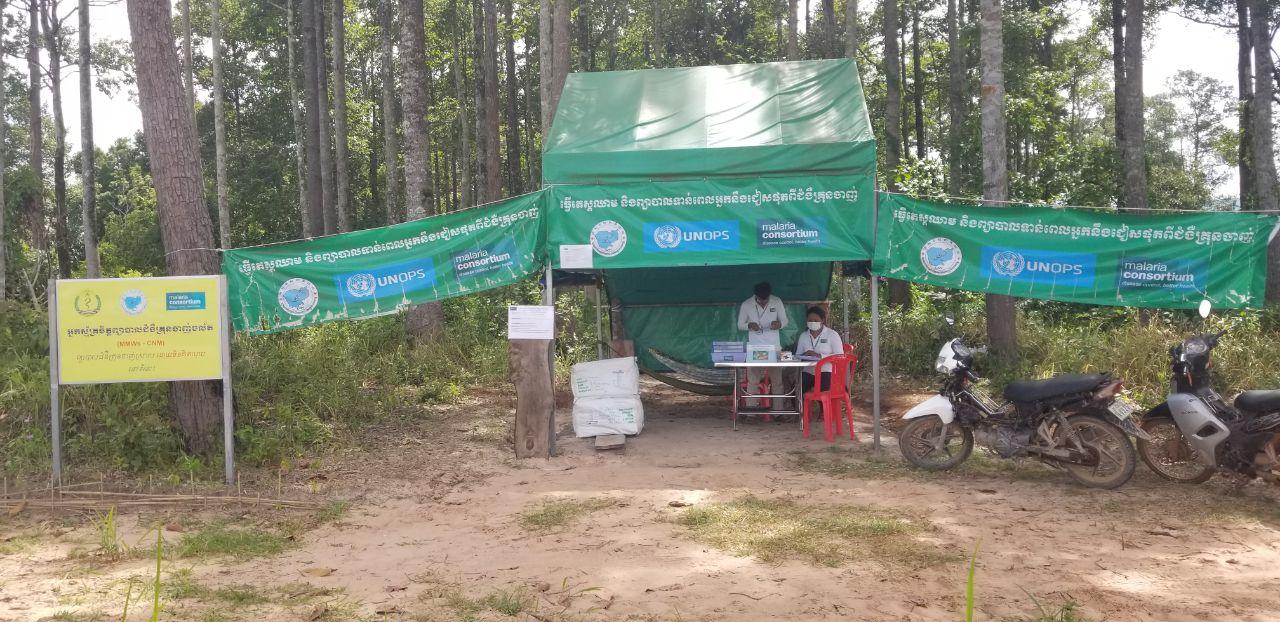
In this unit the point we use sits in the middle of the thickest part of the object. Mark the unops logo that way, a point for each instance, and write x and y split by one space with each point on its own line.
1008 263
940 256
133 302
361 285
608 238
298 296
667 236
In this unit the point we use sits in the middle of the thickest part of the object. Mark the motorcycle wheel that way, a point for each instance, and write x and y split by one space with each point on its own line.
1170 455
919 439
1108 446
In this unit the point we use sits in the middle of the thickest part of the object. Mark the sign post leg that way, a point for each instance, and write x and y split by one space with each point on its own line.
55 406
228 406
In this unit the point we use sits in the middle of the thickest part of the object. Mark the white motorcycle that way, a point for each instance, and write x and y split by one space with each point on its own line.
1074 422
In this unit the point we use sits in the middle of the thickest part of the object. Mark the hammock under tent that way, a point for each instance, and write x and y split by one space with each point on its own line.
682 188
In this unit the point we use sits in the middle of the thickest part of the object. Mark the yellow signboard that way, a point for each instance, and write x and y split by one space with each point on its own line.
140 330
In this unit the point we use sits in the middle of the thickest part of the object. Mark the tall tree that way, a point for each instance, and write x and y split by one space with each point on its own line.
219 127
33 201
1264 156
793 27
185 228
917 79
295 109
487 106
1133 147
553 51
188 61
955 100
464 128
1244 77
53 46
424 321
4 163
899 291
313 224
328 173
514 178
341 156
88 190
851 28
390 149
1001 313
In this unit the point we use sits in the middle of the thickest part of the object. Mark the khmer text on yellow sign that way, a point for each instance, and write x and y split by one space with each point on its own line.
138 330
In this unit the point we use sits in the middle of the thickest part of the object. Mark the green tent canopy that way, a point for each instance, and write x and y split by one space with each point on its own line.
687 186
767 119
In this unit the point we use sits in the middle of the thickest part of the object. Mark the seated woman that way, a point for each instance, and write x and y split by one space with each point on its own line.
817 342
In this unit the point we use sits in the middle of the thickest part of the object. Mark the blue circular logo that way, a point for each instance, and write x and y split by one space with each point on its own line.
608 238
667 236
1008 263
361 285
940 256
298 296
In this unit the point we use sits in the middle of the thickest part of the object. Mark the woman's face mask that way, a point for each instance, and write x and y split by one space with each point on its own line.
814 326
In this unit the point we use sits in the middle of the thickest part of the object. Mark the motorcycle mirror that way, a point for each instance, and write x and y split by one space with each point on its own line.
1205 308
951 321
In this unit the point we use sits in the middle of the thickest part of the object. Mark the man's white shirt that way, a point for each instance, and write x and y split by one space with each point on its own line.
763 316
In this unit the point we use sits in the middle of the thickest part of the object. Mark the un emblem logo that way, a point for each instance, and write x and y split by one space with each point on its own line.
361 285
1008 263
667 236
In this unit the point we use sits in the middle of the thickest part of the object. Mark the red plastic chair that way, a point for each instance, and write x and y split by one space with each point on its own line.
842 367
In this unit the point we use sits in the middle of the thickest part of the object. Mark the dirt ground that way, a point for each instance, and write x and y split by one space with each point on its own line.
439 528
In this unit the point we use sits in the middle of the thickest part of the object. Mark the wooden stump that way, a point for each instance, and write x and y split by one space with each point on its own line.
535 432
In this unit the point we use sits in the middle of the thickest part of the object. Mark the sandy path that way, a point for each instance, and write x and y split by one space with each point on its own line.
1120 555
445 511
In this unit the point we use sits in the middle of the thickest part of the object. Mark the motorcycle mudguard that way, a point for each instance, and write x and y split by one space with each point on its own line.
937 405
1198 424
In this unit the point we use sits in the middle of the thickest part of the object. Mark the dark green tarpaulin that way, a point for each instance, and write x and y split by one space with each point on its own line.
765 119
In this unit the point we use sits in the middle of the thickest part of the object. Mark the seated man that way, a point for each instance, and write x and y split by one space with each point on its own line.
816 342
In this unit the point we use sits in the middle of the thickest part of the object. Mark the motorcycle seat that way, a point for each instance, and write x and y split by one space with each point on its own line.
1258 401
1036 390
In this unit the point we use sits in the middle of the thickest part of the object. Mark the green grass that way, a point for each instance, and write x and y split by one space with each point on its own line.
222 540
857 464
775 530
556 514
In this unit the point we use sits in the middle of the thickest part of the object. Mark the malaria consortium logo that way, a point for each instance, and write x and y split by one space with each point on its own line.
87 303
940 256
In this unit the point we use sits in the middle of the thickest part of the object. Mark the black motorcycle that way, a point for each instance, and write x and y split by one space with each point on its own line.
1075 422
1195 433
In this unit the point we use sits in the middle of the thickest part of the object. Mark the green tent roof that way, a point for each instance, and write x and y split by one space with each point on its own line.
768 119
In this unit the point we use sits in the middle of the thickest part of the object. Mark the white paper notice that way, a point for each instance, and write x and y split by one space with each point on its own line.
531 322
576 256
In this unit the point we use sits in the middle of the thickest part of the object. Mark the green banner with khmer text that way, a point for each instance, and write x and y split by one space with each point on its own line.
1077 255
380 271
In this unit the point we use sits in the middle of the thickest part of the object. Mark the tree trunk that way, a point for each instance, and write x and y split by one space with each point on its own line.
560 52
219 127
899 291
584 35
793 37
313 224
185 228
4 162
1119 97
917 79
327 170
546 41
487 106
33 201
341 159
659 49
464 128
424 321
955 101
1264 156
851 28
1001 314
390 149
1244 76
88 188
298 128
1135 163
514 177
553 50
53 45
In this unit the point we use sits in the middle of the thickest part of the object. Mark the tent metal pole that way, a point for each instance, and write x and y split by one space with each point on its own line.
875 333
844 293
599 329
548 297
